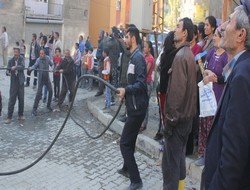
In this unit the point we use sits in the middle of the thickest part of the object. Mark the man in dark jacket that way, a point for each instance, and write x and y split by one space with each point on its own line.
136 100
114 53
180 107
69 78
99 58
227 158
15 71
34 54
43 64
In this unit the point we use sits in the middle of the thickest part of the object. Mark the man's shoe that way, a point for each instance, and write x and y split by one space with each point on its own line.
98 94
44 100
34 112
21 118
200 161
108 110
7 121
123 119
57 109
49 108
26 85
123 172
135 186
158 136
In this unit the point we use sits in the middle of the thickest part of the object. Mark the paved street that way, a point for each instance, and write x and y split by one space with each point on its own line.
76 162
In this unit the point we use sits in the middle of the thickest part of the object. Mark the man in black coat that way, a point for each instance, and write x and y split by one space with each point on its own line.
15 71
227 158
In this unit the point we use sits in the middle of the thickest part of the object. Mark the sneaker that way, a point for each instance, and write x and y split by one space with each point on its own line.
112 103
7 121
44 100
123 119
34 112
200 161
98 94
158 136
123 172
21 118
107 110
135 186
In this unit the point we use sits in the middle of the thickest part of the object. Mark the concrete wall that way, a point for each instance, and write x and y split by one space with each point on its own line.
76 21
11 14
102 15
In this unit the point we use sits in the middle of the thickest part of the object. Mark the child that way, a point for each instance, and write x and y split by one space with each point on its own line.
90 61
22 48
84 66
56 75
106 75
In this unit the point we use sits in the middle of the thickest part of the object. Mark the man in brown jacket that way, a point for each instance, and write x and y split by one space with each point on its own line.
180 108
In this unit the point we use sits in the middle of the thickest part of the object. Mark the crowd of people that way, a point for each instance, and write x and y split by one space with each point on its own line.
222 139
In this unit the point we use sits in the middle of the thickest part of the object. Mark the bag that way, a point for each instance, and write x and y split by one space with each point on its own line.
208 104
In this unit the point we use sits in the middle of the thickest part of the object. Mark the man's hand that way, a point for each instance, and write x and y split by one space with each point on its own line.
60 71
121 94
13 68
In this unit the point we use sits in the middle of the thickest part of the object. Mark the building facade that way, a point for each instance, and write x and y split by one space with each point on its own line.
24 17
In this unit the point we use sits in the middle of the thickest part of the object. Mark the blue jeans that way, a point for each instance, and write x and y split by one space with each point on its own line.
108 96
78 70
90 71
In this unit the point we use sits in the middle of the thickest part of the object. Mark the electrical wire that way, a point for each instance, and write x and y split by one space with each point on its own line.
64 124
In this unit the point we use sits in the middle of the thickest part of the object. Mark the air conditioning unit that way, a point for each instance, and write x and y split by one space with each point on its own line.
141 14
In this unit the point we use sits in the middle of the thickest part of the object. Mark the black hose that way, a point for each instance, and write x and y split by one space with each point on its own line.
64 123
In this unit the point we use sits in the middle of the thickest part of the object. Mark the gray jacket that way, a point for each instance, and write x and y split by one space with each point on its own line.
43 64
18 73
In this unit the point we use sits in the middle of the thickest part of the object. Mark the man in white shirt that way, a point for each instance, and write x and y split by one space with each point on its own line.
57 42
4 43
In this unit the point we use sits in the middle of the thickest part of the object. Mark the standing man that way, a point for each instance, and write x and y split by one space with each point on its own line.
57 42
67 69
227 158
15 71
100 59
180 107
114 53
136 100
81 45
34 54
42 63
4 43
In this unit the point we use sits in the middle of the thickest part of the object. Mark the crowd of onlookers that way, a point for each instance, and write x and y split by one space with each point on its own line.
207 52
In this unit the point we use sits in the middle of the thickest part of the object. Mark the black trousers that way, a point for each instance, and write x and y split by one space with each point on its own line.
100 84
16 91
173 160
39 93
31 63
127 145
64 90
56 80
1 106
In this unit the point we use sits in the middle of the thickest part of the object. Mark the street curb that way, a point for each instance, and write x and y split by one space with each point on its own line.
143 143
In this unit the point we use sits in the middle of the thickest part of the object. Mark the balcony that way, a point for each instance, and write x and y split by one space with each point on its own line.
43 11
